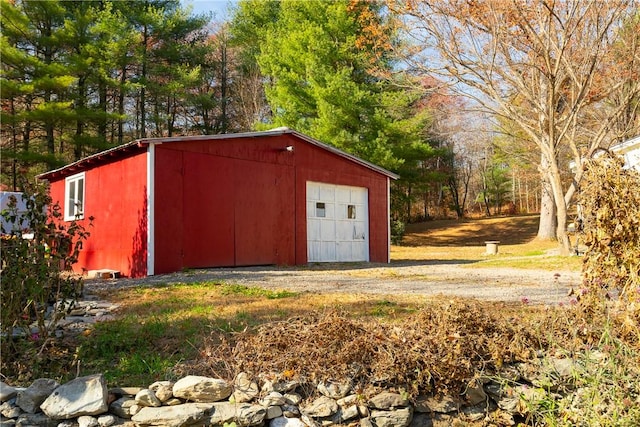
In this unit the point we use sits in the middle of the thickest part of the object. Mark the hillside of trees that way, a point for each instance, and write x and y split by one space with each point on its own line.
478 106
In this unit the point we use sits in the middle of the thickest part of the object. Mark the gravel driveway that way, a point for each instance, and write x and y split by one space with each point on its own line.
452 278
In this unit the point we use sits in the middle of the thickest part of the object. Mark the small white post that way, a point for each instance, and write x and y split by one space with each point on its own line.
492 247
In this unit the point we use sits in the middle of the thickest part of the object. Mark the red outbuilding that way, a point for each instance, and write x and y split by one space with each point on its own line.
161 205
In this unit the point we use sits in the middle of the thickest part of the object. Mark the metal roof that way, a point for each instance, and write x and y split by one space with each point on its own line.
143 142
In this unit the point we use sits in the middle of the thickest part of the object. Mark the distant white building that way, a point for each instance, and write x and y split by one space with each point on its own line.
21 206
630 150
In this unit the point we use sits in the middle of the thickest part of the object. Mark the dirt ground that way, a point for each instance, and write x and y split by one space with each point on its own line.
446 276
425 279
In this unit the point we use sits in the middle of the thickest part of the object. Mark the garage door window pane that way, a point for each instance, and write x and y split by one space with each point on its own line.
320 210
351 211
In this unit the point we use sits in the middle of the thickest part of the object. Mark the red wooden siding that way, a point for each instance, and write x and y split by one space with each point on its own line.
213 208
264 213
115 195
244 201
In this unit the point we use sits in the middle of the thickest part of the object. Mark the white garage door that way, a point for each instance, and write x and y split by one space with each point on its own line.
337 223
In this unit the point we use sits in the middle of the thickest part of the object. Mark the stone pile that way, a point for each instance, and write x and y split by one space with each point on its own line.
79 317
205 401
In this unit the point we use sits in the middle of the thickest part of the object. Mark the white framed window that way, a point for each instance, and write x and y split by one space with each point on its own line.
74 197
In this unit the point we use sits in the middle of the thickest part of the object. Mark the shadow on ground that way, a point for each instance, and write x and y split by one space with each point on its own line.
508 230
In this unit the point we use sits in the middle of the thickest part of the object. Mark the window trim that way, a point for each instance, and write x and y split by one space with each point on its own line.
78 206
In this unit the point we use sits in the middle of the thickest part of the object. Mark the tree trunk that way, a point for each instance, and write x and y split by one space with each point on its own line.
408 204
561 209
121 112
142 132
102 103
548 220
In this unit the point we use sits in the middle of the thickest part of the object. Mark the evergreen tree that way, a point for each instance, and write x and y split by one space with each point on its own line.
319 77
36 79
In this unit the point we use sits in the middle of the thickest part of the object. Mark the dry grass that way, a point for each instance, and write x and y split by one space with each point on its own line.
438 348
443 240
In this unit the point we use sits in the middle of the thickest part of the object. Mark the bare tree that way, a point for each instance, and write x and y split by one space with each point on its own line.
548 66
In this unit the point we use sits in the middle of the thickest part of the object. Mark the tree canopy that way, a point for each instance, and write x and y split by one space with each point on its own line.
320 81
548 67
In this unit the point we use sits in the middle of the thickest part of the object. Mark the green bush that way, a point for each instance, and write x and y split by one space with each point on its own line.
397 231
37 252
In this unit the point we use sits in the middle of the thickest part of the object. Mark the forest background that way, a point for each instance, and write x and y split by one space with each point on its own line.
481 107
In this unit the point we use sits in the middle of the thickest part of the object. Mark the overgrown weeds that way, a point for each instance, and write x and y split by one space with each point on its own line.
36 249
435 349
441 348
610 204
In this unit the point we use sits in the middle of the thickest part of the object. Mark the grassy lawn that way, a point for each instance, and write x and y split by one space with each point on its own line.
464 240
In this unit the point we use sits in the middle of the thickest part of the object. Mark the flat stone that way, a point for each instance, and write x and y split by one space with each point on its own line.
173 402
170 416
244 388
290 411
222 412
366 422
273 412
107 420
81 396
250 415
147 397
135 408
346 413
281 386
7 392
396 418
475 393
272 399
163 390
321 407
35 420
292 398
10 410
352 399
30 399
286 422
87 421
387 400
334 390
439 404
122 407
202 389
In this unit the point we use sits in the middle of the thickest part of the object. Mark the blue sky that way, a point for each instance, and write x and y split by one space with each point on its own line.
218 7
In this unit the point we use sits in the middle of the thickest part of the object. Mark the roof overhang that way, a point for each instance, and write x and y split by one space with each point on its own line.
140 145
626 146
115 153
